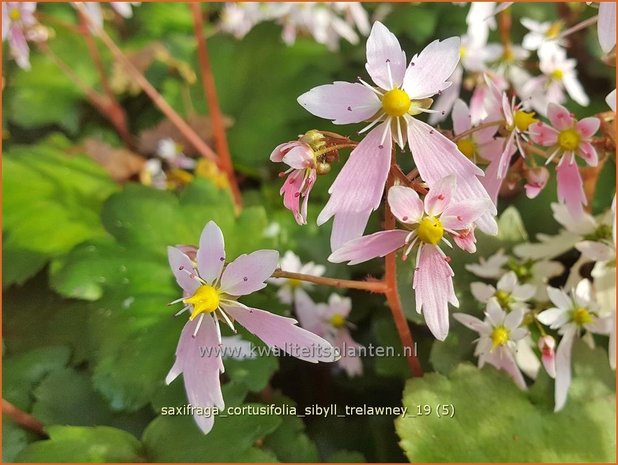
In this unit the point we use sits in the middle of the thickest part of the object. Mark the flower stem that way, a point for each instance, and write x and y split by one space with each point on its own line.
579 26
23 419
478 128
392 294
210 92
370 286
186 130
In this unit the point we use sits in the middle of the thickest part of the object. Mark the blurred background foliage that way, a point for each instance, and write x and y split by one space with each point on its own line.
88 337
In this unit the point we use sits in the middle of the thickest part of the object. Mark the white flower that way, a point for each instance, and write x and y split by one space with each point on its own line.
509 294
542 35
500 334
572 314
289 288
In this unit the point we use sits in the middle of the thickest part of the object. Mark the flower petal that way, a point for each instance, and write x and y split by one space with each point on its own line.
553 317
405 204
367 247
606 28
384 52
341 102
247 273
347 226
543 134
571 187
588 153
437 157
433 283
211 253
461 215
182 267
563 368
462 119
428 71
560 117
440 195
471 322
281 332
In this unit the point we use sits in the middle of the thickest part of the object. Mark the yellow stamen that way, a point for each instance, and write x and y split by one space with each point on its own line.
15 14
569 139
499 336
417 106
581 316
294 282
205 300
524 119
396 102
430 230
554 30
467 147
337 321
557 74
504 299
462 51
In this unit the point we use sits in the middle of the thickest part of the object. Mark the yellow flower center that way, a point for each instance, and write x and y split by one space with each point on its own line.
499 336
462 51
524 119
396 102
467 147
205 300
15 14
557 74
294 283
337 321
430 230
508 55
504 299
554 30
581 316
569 139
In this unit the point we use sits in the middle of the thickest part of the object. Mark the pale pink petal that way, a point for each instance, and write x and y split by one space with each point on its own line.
182 267
491 150
588 127
440 195
291 194
559 298
437 157
542 134
280 150
433 283
428 71
611 100
281 332
514 318
471 322
341 102
481 291
360 184
462 119
560 117
384 52
123 8
466 240
365 248
211 253
553 317
347 226
445 101
563 368
299 157
352 365
405 204
571 187
461 215
307 312
201 373
575 89
247 273
606 27
506 362
596 251
588 153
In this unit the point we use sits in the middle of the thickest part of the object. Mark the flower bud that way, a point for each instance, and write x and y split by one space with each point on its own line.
547 345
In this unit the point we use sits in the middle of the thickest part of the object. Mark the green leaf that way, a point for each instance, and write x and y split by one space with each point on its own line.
511 227
346 456
81 444
386 336
21 373
51 203
14 439
494 421
232 439
67 397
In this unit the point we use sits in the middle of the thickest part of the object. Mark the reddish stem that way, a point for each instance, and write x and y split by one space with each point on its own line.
370 286
210 91
23 419
392 294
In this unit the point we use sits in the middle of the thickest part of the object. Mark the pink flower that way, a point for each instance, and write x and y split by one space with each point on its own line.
17 19
425 226
479 144
329 320
606 27
500 333
210 293
547 344
567 138
391 105
301 176
536 180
